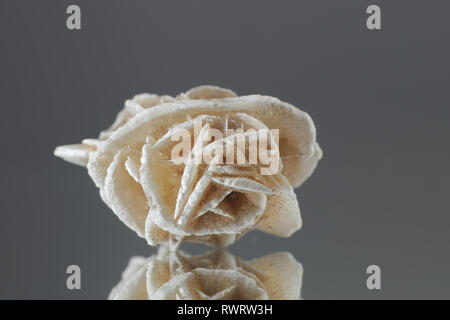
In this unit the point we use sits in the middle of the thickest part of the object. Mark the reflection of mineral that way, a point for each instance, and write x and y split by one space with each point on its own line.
215 275
214 202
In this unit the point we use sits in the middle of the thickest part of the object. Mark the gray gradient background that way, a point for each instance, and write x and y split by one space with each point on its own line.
380 101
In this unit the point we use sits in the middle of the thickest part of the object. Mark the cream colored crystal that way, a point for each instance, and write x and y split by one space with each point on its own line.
212 202
217 275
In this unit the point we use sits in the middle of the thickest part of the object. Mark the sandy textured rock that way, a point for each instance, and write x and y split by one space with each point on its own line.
217 275
162 200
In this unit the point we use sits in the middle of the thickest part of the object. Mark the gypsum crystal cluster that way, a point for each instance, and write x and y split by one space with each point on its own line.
214 203
217 275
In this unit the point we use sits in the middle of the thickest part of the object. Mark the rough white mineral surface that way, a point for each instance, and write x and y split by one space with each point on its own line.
214 203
